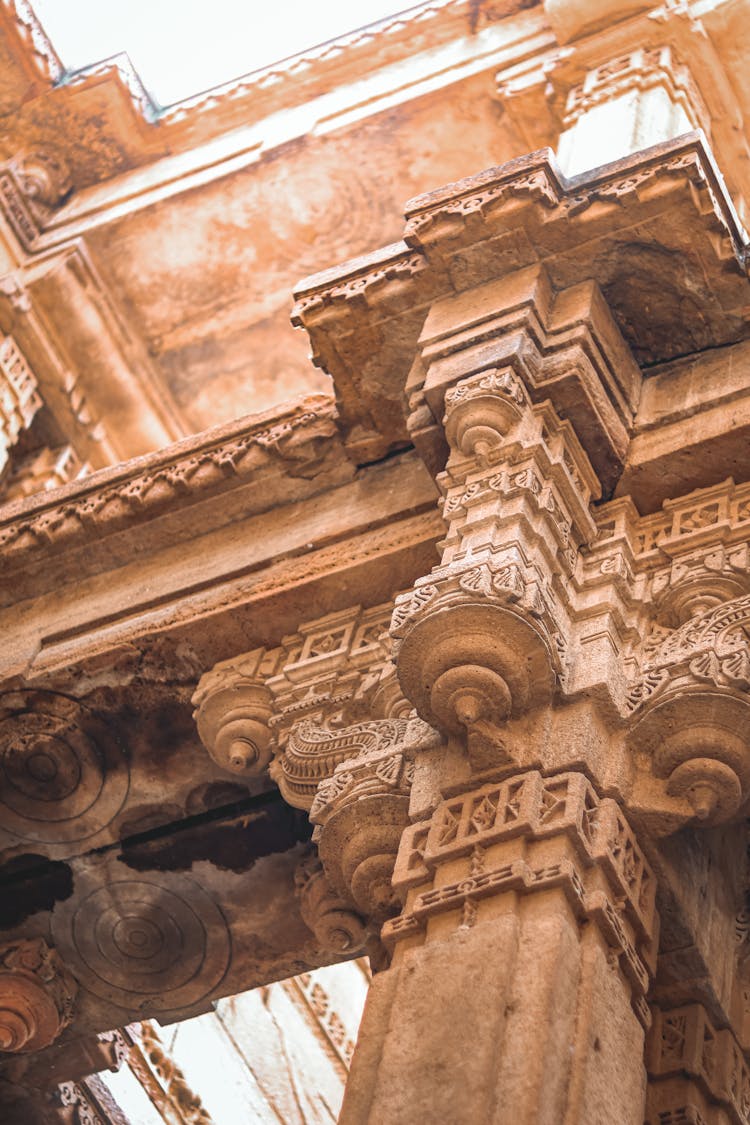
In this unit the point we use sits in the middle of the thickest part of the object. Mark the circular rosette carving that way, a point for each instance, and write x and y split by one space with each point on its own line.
63 777
145 946
699 744
468 668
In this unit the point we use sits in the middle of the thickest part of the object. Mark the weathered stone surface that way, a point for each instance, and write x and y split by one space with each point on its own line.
449 663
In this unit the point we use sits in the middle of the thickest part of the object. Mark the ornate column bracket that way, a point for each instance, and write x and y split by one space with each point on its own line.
336 926
36 996
232 713
679 590
325 714
334 671
484 637
693 714
362 809
523 835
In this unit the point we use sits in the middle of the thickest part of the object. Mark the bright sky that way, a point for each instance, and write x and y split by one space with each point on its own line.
181 47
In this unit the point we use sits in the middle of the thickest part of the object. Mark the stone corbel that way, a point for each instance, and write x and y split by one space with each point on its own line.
333 671
36 996
44 179
687 708
338 928
693 716
362 808
233 709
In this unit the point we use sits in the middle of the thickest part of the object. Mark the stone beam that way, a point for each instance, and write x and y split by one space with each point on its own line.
163 922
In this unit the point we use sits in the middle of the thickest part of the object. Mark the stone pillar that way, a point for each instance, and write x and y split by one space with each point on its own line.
627 104
525 945
697 1073
516 989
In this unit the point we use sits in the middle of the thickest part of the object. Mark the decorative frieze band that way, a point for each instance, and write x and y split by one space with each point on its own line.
692 1063
144 487
526 834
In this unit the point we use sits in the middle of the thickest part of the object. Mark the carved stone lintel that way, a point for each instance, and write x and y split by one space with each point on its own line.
36 996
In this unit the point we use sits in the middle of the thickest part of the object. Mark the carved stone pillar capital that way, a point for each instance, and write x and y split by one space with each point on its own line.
528 912
36 996
522 835
484 638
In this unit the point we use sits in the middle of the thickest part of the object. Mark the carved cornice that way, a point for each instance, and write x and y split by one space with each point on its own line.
638 70
317 59
34 39
183 474
526 211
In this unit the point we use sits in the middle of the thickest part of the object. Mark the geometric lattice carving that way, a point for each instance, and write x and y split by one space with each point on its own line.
19 400
526 834
691 1062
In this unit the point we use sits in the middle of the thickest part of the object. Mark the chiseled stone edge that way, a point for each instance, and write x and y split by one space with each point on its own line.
181 473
